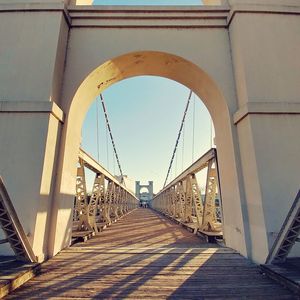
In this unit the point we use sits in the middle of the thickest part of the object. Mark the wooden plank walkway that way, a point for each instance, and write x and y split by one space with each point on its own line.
287 273
146 256
13 273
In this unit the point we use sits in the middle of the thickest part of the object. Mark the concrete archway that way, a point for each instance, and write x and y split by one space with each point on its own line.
221 53
157 64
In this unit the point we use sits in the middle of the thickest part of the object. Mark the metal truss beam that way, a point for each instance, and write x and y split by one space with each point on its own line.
288 234
181 199
81 203
94 166
197 166
108 201
13 229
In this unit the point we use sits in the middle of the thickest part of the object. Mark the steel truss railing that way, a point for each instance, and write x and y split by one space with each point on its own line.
287 236
108 201
13 229
181 199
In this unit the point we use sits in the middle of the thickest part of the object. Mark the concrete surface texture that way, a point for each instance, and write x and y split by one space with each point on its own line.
241 59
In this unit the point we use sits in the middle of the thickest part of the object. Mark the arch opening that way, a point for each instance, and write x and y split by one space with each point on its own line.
147 63
151 63
144 190
145 131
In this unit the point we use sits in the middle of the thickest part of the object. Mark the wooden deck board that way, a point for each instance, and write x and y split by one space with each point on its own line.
14 273
146 256
287 273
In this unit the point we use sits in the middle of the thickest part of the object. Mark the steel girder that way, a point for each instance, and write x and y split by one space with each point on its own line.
13 229
288 235
209 213
181 199
109 199
81 203
95 200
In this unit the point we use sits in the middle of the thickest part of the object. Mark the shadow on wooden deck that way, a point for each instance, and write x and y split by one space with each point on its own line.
14 273
145 256
287 273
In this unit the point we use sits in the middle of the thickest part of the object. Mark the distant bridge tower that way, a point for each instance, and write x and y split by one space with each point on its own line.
144 196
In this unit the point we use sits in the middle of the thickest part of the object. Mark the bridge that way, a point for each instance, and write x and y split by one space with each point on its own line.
120 250
240 58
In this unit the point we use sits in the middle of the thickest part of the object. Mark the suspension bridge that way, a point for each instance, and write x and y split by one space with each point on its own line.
233 236
120 250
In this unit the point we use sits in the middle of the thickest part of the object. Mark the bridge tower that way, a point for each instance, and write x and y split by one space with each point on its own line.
144 196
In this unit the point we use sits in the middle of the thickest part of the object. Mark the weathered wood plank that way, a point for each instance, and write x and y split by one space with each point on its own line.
145 256
14 273
287 273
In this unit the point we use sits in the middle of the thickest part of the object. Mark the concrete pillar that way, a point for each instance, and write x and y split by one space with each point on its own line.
150 189
267 70
137 189
32 62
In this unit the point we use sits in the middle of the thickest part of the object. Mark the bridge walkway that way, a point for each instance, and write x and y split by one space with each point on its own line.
146 256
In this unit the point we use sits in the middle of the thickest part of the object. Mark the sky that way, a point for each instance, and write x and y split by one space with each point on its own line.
147 2
145 114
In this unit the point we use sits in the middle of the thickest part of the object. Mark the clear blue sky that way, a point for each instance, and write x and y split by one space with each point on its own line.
147 2
145 114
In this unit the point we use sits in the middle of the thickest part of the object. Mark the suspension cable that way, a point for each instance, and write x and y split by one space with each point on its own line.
176 163
178 137
193 142
112 139
97 131
107 151
182 150
211 131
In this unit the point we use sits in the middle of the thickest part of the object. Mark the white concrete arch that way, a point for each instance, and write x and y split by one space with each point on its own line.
173 67
237 58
